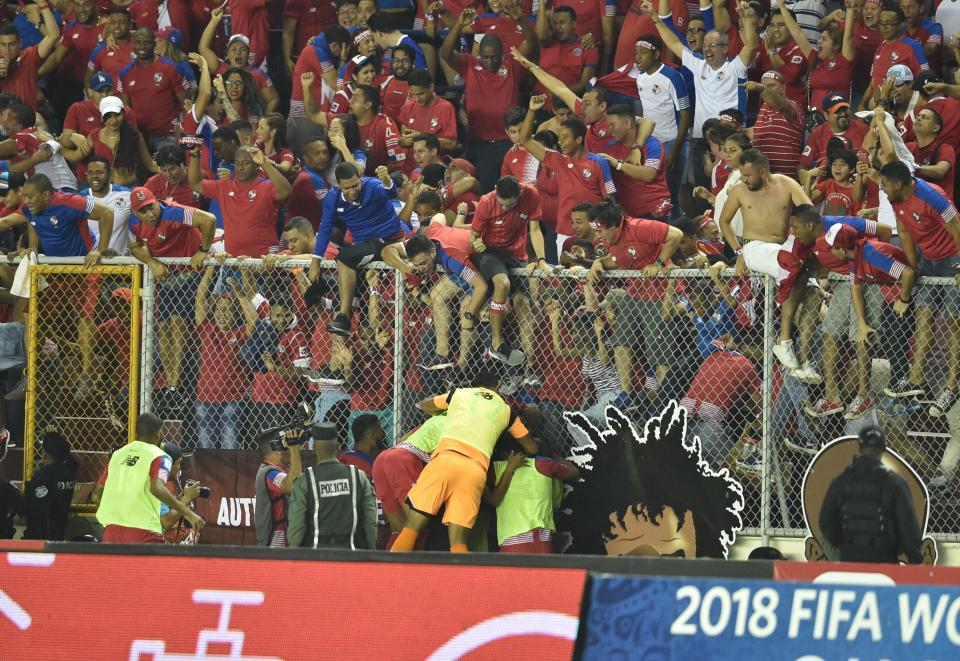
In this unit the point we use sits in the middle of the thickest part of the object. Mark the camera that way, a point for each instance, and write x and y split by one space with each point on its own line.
282 436
204 491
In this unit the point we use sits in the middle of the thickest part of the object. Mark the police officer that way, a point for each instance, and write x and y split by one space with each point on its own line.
334 506
47 497
868 510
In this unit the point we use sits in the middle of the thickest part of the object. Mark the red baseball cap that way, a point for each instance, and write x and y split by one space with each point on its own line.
140 197
464 165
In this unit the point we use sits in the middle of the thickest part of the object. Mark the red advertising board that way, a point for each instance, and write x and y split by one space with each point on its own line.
165 608
864 573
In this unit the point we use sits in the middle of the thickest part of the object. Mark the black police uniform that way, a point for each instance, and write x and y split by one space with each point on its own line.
10 498
47 499
868 514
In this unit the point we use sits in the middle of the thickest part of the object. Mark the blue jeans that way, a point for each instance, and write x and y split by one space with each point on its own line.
218 422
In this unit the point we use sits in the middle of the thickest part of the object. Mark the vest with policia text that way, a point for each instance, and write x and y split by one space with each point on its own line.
263 509
333 516
126 499
529 502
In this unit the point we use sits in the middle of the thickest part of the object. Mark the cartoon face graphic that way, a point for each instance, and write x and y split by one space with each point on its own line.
833 459
651 493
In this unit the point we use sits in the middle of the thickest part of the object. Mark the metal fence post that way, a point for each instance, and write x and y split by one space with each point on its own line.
147 339
398 357
769 294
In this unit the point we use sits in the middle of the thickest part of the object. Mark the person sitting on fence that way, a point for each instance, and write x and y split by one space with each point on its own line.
438 243
765 201
223 381
504 220
841 320
167 229
634 244
362 206
58 224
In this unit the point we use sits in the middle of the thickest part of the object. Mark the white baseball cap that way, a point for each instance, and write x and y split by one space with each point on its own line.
109 104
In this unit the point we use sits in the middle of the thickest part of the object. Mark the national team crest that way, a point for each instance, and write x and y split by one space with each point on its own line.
632 251
720 75
434 122
577 52
54 221
502 71
252 195
894 56
586 173
368 143
831 65
158 78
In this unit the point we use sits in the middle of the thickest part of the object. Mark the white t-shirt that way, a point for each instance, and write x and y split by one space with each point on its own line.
663 95
948 15
117 199
716 89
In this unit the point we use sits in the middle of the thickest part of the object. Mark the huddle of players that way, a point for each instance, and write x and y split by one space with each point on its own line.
446 463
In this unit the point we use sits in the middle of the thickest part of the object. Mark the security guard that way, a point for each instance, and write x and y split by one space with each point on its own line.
334 505
48 495
868 510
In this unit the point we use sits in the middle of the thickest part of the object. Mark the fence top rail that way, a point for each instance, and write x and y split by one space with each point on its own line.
250 262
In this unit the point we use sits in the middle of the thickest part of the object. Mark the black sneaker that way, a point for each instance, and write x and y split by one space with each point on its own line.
507 354
943 403
903 388
339 326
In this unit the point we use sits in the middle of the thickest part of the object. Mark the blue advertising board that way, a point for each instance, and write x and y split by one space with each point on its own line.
701 619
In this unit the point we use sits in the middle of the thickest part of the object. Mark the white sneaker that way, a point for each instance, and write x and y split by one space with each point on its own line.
807 374
784 353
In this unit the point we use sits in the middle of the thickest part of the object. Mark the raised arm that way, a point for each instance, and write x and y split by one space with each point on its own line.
556 87
849 50
206 38
447 52
751 42
794 29
277 178
194 175
670 40
51 32
526 130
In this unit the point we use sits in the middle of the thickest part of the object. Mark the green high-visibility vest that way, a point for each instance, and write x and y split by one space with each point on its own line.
126 499
529 502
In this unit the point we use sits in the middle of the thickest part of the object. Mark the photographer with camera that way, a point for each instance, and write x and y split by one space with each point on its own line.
334 507
175 529
275 481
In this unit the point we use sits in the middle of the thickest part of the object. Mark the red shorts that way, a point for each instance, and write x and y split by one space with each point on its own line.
540 542
394 472
114 534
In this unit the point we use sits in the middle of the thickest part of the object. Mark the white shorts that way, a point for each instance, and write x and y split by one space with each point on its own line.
761 257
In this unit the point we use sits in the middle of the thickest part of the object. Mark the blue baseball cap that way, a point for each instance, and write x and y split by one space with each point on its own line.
173 35
100 81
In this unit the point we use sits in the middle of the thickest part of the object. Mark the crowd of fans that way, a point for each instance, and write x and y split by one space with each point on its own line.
458 142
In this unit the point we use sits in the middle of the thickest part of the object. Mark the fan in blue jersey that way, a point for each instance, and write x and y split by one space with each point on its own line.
360 205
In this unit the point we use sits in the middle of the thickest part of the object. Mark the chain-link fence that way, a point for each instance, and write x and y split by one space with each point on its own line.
82 347
902 377
239 347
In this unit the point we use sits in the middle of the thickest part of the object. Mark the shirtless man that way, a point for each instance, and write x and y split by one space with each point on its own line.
766 202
